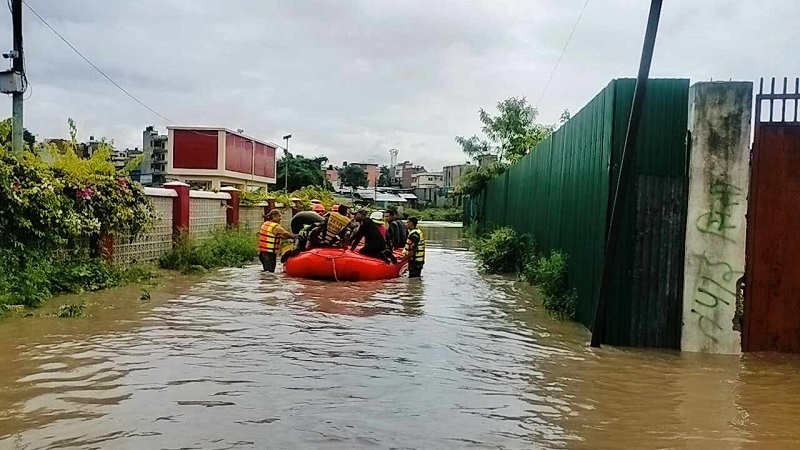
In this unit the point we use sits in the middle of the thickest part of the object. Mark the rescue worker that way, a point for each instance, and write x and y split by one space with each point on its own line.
414 252
302 243
396 234
377 217
324 236
374 243
269 240
318 208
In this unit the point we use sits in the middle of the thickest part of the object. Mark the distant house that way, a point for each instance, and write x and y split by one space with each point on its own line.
423 180
372 172
332 175
452 174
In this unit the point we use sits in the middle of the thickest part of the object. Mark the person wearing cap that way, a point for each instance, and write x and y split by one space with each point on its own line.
377 217
374 243
414 252
269 240
322 236
318 208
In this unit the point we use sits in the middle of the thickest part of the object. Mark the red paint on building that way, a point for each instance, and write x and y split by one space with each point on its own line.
264 160
238 153
195 152
195 149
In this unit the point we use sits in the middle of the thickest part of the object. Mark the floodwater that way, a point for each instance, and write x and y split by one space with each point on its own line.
243 359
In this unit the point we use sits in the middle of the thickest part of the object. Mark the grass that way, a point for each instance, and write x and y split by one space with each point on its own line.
222 248
28 278
503 250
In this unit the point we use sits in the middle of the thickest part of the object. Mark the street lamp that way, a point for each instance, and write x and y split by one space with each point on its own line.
286 166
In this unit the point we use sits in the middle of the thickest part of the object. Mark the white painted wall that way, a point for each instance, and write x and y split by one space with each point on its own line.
719 121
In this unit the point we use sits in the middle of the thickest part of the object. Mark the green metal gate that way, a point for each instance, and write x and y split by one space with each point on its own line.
559 194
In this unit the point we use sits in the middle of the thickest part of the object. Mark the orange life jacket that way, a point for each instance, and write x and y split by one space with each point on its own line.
268 242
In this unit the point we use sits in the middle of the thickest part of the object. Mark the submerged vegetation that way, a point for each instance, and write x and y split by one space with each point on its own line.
505 251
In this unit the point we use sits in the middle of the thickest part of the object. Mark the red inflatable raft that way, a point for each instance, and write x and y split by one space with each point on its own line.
340 265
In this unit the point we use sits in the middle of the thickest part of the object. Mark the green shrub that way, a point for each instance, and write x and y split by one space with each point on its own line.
229 247
549 274
502 250
29 278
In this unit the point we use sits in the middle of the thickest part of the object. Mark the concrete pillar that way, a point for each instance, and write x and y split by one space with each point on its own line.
180 208
719 122
233 206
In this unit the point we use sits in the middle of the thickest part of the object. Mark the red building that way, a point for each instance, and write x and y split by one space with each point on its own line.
217 157
372 173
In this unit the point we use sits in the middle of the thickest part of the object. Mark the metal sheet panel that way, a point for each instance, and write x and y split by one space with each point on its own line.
559 194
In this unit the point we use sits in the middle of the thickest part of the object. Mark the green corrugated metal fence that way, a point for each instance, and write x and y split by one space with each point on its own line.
560 194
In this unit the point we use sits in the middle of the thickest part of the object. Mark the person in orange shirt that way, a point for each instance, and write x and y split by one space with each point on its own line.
269 240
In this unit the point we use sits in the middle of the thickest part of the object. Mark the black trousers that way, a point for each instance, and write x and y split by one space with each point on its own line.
379 253
268 260
415 269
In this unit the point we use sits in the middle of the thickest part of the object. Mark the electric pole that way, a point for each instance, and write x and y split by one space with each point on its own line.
18 67
623 182
286 164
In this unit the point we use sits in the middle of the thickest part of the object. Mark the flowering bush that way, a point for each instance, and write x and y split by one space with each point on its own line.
51 201
49 204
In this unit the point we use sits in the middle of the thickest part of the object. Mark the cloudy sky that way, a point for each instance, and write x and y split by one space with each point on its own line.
352 79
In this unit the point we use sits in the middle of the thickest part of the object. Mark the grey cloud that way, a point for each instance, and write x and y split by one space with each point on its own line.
351 79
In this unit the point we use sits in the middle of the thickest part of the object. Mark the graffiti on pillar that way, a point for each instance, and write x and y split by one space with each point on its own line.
719 220
715 280
715 285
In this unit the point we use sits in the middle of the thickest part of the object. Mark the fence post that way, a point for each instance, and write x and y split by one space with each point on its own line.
105 246
233 206
180 208
270 205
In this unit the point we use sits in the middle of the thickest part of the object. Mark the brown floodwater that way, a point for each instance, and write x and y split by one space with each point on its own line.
242 359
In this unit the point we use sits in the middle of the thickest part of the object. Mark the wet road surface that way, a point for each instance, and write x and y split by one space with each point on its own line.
459 360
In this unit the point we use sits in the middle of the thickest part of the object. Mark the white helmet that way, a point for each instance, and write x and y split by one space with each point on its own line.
377 216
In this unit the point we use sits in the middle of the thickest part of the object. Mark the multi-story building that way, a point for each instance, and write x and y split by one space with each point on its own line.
211 157
372 173
452 174
423 180
121 157
206 158
332 175
153 170
408 173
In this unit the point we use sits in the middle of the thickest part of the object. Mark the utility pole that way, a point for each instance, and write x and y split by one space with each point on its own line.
286 164
623 181
18 67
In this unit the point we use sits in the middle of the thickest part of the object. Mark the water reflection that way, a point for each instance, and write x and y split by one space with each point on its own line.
454 360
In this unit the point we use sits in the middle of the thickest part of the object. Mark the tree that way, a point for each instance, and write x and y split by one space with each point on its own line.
565 116
302 171
352 176
5 135
510 135
385 178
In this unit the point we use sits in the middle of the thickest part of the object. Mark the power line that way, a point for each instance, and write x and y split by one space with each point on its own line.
569 39
108 77
94 66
